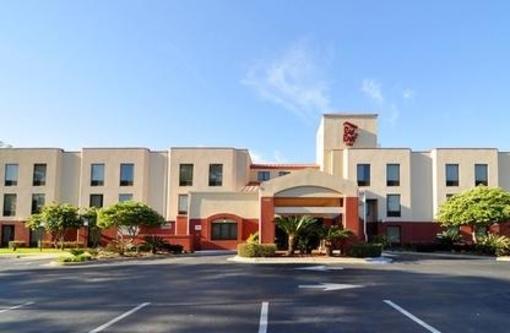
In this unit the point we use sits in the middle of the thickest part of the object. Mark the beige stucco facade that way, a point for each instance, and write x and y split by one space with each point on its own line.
421 187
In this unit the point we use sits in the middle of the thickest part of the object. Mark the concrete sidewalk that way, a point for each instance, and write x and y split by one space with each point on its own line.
311 260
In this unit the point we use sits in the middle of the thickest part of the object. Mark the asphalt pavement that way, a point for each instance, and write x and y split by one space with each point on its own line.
205 293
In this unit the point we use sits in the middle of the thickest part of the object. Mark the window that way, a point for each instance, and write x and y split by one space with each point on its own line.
392 174
11 175
96 200
449 195
393 234
363 173
183 204
452 175
224 230
39 178
393 205
215 174
125 197
186 175
481 174
9 205
127 174
38 200
97 175
283 173
262 176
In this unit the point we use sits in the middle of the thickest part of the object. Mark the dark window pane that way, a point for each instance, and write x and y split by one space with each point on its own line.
262 176
224 230
11 175
215 174
97 175
452 175
96 200
9 205
186 175
38 201
393 205
481 174
393 174
125 197
127 174
363 174
39 178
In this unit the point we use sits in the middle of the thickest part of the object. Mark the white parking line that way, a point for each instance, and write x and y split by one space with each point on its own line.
411 316
16 307
263 317
116 319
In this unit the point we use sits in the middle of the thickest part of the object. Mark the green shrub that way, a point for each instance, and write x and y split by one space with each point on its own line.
93 252
156 244
253 238
381 239
77 252
448 238
252 250
79 258
363 250
494 245
13 245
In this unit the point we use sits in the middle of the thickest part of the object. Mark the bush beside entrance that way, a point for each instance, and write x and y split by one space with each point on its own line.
365 250
252 250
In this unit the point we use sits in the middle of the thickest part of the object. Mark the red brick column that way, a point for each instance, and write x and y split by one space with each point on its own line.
266 222
351 219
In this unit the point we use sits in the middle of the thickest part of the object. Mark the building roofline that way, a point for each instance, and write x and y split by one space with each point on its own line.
276 166
351 114
215 148
31 148
115 148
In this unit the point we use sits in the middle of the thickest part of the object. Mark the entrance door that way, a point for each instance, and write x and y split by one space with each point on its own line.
7 235
372 218
36 235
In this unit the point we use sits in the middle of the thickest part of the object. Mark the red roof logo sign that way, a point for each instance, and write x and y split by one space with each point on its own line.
350 133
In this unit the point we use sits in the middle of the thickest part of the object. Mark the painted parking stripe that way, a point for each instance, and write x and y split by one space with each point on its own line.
16 307
263 317
122 316
411 316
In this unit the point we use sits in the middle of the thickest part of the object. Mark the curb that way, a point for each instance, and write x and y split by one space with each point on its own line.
439 255
310 260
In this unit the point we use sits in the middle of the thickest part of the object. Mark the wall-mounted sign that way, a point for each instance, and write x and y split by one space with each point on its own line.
198 227
350 133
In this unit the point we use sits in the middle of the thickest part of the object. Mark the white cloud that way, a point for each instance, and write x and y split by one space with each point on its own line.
276 157
373 90
293 80
408 94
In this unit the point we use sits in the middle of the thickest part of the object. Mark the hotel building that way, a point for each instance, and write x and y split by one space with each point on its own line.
214 198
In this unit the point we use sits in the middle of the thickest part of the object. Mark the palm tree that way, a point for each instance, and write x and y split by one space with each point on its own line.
332 235
292 225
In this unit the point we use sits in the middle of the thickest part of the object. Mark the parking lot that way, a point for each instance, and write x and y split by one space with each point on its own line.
206 293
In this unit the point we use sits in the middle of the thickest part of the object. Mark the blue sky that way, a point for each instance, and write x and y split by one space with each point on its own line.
252 74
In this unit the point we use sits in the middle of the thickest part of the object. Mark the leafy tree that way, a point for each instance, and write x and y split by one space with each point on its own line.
56 219
292 225
128 217
479 208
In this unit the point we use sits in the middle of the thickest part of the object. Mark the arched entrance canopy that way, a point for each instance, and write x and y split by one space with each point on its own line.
307 180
